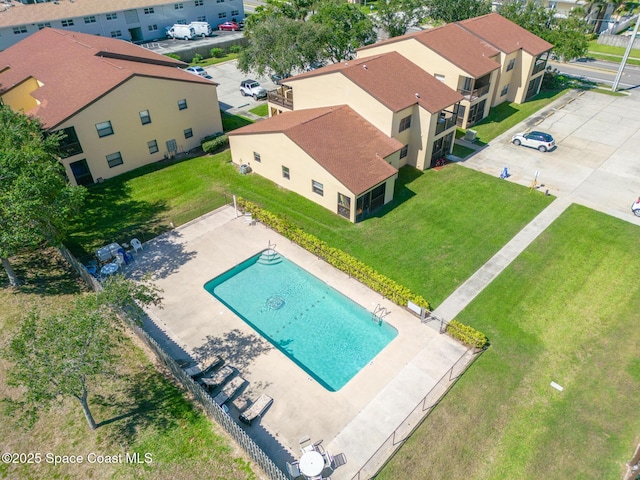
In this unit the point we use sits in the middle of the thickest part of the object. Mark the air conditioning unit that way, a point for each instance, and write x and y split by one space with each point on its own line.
470 135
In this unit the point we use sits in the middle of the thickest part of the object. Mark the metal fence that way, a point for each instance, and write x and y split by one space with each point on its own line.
212 408
412 421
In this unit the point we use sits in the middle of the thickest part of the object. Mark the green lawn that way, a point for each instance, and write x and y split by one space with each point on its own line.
611 53
440 228
231 122
261 110
461 151
564 311
213 61
140 410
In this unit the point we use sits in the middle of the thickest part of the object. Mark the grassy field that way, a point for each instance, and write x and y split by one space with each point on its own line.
564 311
139 411
261 110
205 62
461 151
611 53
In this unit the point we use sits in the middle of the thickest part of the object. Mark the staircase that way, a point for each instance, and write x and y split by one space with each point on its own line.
269 257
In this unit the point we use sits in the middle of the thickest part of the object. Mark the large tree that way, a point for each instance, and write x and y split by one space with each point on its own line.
346 29
36 201
64 354
395 17
450 11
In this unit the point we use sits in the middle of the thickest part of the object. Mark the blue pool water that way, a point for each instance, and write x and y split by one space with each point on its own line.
322 331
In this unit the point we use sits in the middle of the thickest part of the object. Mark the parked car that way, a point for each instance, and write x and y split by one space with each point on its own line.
540 140
185 32
203 29
277 78
199 71
251 88
635 208
229 26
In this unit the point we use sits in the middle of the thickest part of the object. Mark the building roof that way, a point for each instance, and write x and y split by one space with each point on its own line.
375 76
75 69
340 140
505 35
17 13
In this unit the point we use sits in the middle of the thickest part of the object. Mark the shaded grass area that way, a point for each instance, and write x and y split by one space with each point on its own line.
507 115
564 311
231 122
441 226
461 151
261 110
139 411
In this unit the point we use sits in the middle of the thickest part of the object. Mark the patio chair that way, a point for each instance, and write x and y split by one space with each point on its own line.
305 444
136 244
256 410
248 218
218 378
293 469
203 366
339 460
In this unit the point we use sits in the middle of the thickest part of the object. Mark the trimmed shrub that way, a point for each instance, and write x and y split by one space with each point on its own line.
387 287
197 58
217 143
235 48
467 335
175 56
217 52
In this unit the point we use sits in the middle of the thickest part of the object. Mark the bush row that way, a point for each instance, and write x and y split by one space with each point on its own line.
342 261
467 335
218 142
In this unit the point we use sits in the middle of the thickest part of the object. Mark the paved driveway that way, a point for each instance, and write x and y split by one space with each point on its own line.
229 77
596 162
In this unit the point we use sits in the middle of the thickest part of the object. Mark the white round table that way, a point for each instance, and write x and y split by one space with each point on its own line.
109 269
311 464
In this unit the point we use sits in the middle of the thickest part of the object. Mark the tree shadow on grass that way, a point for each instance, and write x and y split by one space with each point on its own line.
235 347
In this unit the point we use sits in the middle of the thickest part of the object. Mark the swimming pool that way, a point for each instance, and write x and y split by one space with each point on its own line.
322 331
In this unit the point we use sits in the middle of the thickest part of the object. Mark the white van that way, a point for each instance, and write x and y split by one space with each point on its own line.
184 32
202 29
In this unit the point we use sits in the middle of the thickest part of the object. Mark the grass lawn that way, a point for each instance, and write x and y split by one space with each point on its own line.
139 411
205 62
231 122
564 311
430 238
595 47
261 110
461 151
507 115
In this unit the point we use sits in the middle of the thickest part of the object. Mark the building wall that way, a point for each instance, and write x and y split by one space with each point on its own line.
19 97
151 25
122 106
514 78
527 61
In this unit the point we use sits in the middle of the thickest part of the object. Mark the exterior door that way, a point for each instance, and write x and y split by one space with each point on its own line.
81 172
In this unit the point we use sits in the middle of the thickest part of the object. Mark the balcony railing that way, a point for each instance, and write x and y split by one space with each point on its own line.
539 66
476 93
446 124
274 96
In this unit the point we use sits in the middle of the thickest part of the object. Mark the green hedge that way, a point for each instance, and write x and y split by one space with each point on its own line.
467 335
216 143
342 261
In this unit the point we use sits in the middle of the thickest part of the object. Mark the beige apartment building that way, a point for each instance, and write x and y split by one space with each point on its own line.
411 106
119 105
329 155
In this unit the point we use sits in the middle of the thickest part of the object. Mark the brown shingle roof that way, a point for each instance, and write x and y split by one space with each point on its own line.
505 35
75 69
393 80
340 140
456 45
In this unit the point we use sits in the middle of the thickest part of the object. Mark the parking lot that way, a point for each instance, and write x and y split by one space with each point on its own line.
596 161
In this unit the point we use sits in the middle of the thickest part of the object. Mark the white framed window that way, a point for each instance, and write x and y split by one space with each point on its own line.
222 14
116 34
90 19
67 23
404 151
112 16
317 187
43 25
182 21
405 123
20 30
199 3
511 64
104 129
145 118
202 18
505 90
285 172
152 28
188 133
153 146
235 12
114 159
149 11
178 6
182 104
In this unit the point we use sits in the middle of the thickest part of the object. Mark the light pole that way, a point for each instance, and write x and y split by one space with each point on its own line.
614 87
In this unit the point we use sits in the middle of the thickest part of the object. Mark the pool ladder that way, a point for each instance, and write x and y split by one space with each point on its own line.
379 313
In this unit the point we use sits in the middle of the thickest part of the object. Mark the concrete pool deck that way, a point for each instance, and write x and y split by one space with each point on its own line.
357 419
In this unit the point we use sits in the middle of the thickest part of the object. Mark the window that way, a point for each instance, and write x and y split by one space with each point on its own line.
112 16
116 34
182 104
67 23
90 19
114 159
145 117
285 172
405 123
235 12
20 29
202 18
256 157
439 76
182 21
317 187
222 14
104 129
219 1
43 25
69 145
505 90
152 28
344 205
149 11
512 63
188 133
153 146
404 151
178 6
199 3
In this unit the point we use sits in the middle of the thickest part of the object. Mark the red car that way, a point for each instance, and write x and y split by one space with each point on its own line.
229 26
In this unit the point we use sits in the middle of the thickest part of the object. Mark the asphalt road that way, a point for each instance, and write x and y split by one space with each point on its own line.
600 71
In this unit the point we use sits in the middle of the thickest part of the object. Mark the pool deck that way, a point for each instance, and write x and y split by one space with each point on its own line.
356 420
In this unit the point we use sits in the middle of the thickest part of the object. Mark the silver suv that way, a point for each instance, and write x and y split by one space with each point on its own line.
251 88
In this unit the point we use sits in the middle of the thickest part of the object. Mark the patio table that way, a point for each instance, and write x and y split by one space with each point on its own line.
109 269
311 464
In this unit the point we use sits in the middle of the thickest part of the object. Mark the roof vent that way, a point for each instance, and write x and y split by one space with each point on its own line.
364 66
417 95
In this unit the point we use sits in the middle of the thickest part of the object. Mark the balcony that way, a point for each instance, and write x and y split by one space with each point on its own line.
539 66
282 96
446 123
475 93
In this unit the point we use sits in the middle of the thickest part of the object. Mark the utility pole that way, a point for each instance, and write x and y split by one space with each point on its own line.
614 87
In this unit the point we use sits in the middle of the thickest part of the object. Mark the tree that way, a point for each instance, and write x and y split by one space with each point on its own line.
450 11
293 9
396 16
36 200
346 29
280 45
63 354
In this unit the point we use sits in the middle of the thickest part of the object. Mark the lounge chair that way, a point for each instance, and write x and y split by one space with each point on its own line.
203 366
241 403
293 469
229 390
256 410
305 444
218 378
